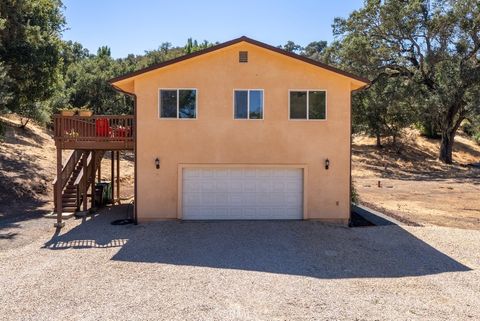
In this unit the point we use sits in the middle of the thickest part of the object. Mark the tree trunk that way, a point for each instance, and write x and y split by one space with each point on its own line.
379 140
446 147
24 122
451 123
448 138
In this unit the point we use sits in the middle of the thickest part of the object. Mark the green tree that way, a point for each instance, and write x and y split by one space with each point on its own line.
435 44
384 109
104 51
86 83
193 45
30 50
291 46
315 49
5 93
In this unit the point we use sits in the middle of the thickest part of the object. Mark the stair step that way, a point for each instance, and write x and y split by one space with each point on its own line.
69 206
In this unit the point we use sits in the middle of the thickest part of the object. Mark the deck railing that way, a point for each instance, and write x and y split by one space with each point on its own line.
94 130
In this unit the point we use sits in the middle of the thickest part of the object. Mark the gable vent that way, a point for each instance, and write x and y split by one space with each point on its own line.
243 56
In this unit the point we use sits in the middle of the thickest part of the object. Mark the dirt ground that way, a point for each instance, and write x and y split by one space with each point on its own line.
414 186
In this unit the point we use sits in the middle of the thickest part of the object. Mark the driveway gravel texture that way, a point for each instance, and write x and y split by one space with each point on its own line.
264 270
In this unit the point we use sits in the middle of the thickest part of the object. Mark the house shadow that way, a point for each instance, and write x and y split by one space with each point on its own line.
303 248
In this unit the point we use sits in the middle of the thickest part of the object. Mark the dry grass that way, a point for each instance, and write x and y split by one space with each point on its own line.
415 186
26 167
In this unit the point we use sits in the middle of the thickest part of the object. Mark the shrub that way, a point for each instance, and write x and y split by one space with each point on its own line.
428 130
2 130
476 138
354 198
468 128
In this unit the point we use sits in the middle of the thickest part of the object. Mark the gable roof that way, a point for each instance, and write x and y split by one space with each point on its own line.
232 42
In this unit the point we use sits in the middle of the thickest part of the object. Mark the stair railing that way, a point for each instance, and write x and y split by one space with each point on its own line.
83 182
67 171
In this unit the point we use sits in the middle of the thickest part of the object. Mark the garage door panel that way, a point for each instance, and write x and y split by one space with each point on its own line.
242 193
193 199
249 186
235 200
234 186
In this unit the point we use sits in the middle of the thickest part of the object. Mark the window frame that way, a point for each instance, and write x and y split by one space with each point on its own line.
178 104
248 103
308 107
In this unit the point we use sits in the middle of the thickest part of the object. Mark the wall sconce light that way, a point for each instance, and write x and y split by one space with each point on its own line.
157 163
327 163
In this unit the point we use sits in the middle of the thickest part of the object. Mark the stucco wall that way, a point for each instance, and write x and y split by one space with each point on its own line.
215 137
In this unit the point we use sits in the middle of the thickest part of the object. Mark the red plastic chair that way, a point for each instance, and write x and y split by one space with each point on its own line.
102 127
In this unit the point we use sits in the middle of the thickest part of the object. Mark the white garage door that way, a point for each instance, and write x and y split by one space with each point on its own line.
242 193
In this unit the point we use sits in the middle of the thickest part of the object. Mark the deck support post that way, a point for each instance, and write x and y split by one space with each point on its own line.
99 178
85 186
92 178
58 190
118 176
112 180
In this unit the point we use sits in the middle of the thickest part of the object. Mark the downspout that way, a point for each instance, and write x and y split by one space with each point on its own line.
351 146
135 215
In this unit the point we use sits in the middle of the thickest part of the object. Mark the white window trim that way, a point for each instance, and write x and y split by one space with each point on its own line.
178 104
308 107
248 103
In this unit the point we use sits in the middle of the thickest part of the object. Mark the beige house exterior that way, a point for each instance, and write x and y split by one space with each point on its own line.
266 135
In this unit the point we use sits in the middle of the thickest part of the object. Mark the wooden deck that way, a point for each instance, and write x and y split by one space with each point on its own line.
89 138
99 132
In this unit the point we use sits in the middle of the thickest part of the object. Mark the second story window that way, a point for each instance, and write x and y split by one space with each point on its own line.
248 104
308 104
178 103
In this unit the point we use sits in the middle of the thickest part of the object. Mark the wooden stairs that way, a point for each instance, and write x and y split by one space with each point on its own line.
76 181
71 195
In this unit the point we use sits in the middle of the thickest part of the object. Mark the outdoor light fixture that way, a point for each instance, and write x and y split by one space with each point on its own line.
327 163
157 163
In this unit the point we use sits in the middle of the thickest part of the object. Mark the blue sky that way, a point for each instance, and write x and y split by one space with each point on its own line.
133 26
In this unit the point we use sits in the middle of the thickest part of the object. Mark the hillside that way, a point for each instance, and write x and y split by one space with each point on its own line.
26 169
415 186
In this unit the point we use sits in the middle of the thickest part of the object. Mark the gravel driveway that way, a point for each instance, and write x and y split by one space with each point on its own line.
262 270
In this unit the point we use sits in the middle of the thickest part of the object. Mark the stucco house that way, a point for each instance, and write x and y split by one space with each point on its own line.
242 130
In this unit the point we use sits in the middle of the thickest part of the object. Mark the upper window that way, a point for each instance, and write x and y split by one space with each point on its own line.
308 104
178 103
248 104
